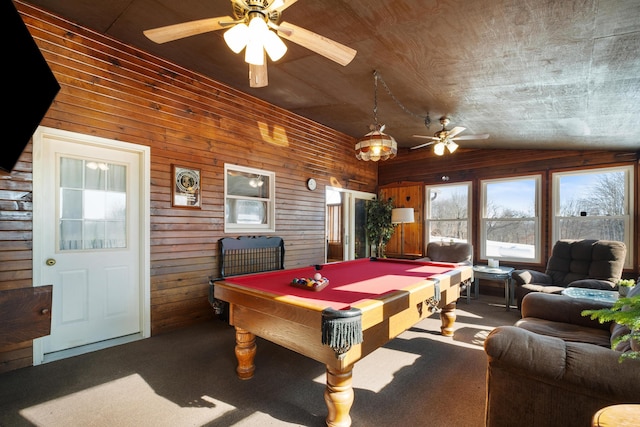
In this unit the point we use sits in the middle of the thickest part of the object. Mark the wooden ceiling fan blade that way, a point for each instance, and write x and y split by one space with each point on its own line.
187 29
426 137
479 136
422 145
321 45
258 76
453 132
287 3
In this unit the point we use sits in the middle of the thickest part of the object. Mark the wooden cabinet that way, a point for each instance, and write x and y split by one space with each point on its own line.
407 195
25 314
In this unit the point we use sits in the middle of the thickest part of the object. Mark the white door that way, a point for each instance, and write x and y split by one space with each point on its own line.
90 221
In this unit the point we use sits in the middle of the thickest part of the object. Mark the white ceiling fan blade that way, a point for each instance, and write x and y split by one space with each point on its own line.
453 132
426 137
187 29
479 136
321 45
258 76
422 145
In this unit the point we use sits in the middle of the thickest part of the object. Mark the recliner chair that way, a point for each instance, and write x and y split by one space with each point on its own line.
452 252
594 264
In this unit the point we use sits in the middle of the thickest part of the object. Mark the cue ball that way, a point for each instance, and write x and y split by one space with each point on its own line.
317 276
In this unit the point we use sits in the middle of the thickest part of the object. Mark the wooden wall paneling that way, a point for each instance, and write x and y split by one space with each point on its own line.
115 91
475 165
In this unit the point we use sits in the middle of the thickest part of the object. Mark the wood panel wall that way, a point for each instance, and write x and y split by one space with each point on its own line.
475 165
115 91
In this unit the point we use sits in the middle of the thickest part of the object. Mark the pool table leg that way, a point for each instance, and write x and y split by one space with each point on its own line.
339 396
448 318
245 353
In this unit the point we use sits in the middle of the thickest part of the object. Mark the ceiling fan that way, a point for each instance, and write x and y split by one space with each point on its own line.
250 28
446 138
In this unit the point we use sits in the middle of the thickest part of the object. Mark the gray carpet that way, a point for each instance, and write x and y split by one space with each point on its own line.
187 378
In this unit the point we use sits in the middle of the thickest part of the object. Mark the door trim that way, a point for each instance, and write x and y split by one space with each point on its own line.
144 156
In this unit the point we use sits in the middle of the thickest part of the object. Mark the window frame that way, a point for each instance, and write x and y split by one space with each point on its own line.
270 225
427 210
537 219
628 204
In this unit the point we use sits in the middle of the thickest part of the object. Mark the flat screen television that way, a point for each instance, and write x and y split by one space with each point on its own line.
28 84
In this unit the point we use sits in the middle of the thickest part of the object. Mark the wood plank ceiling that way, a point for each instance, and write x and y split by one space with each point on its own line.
538 74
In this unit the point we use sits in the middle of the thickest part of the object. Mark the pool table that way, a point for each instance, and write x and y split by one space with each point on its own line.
366 303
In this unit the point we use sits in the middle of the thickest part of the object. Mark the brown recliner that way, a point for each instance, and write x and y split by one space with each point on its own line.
452 252
594 264
556 367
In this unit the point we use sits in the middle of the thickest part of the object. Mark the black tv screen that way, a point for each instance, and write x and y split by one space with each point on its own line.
29 86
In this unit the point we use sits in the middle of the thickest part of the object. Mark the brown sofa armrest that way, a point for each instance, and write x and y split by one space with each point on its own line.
524 277
603 285
561 308
592 367
523 350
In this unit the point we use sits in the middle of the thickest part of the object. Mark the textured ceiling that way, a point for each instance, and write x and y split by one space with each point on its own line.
536 74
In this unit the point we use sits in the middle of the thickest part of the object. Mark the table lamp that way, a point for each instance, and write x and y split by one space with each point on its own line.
402 216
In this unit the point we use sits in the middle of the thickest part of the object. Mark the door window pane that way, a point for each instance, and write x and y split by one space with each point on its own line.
93 205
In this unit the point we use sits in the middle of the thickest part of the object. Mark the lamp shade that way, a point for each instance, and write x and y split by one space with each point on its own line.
402 215
376 146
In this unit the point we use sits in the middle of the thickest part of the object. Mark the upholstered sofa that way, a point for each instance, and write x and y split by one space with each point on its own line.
555 367
595 264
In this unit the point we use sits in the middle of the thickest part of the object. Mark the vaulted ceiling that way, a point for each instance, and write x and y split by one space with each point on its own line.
538 74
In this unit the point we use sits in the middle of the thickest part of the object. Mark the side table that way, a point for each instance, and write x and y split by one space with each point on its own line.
494 273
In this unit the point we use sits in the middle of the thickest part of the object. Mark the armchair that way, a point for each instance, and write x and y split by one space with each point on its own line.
595 264
451 252
556 366
456 252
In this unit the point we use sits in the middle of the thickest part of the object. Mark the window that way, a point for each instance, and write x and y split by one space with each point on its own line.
594 204
93 205
510 220
447 212
249 200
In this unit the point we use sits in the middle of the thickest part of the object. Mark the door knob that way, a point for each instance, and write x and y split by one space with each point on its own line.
51 262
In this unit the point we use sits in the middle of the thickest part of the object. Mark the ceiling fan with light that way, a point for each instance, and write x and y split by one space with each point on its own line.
256 28
445 139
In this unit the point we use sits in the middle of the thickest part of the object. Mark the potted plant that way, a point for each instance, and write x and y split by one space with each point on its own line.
378 224
625 311
625 285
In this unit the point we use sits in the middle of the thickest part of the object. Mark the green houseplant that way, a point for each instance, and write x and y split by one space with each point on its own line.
378 224
625 285
625 311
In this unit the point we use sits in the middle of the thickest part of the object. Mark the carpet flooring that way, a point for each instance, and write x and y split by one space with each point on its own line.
187 378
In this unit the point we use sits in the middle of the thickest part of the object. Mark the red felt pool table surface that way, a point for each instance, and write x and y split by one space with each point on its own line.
389 296
349 281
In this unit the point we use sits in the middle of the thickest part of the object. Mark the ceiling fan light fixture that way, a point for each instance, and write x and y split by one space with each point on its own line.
237 37
438 149
274 46
452 146
254 53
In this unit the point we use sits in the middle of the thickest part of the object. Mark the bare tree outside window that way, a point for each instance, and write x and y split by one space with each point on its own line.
593 205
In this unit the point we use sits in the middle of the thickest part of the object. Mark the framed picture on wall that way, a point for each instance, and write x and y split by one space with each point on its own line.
186 187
